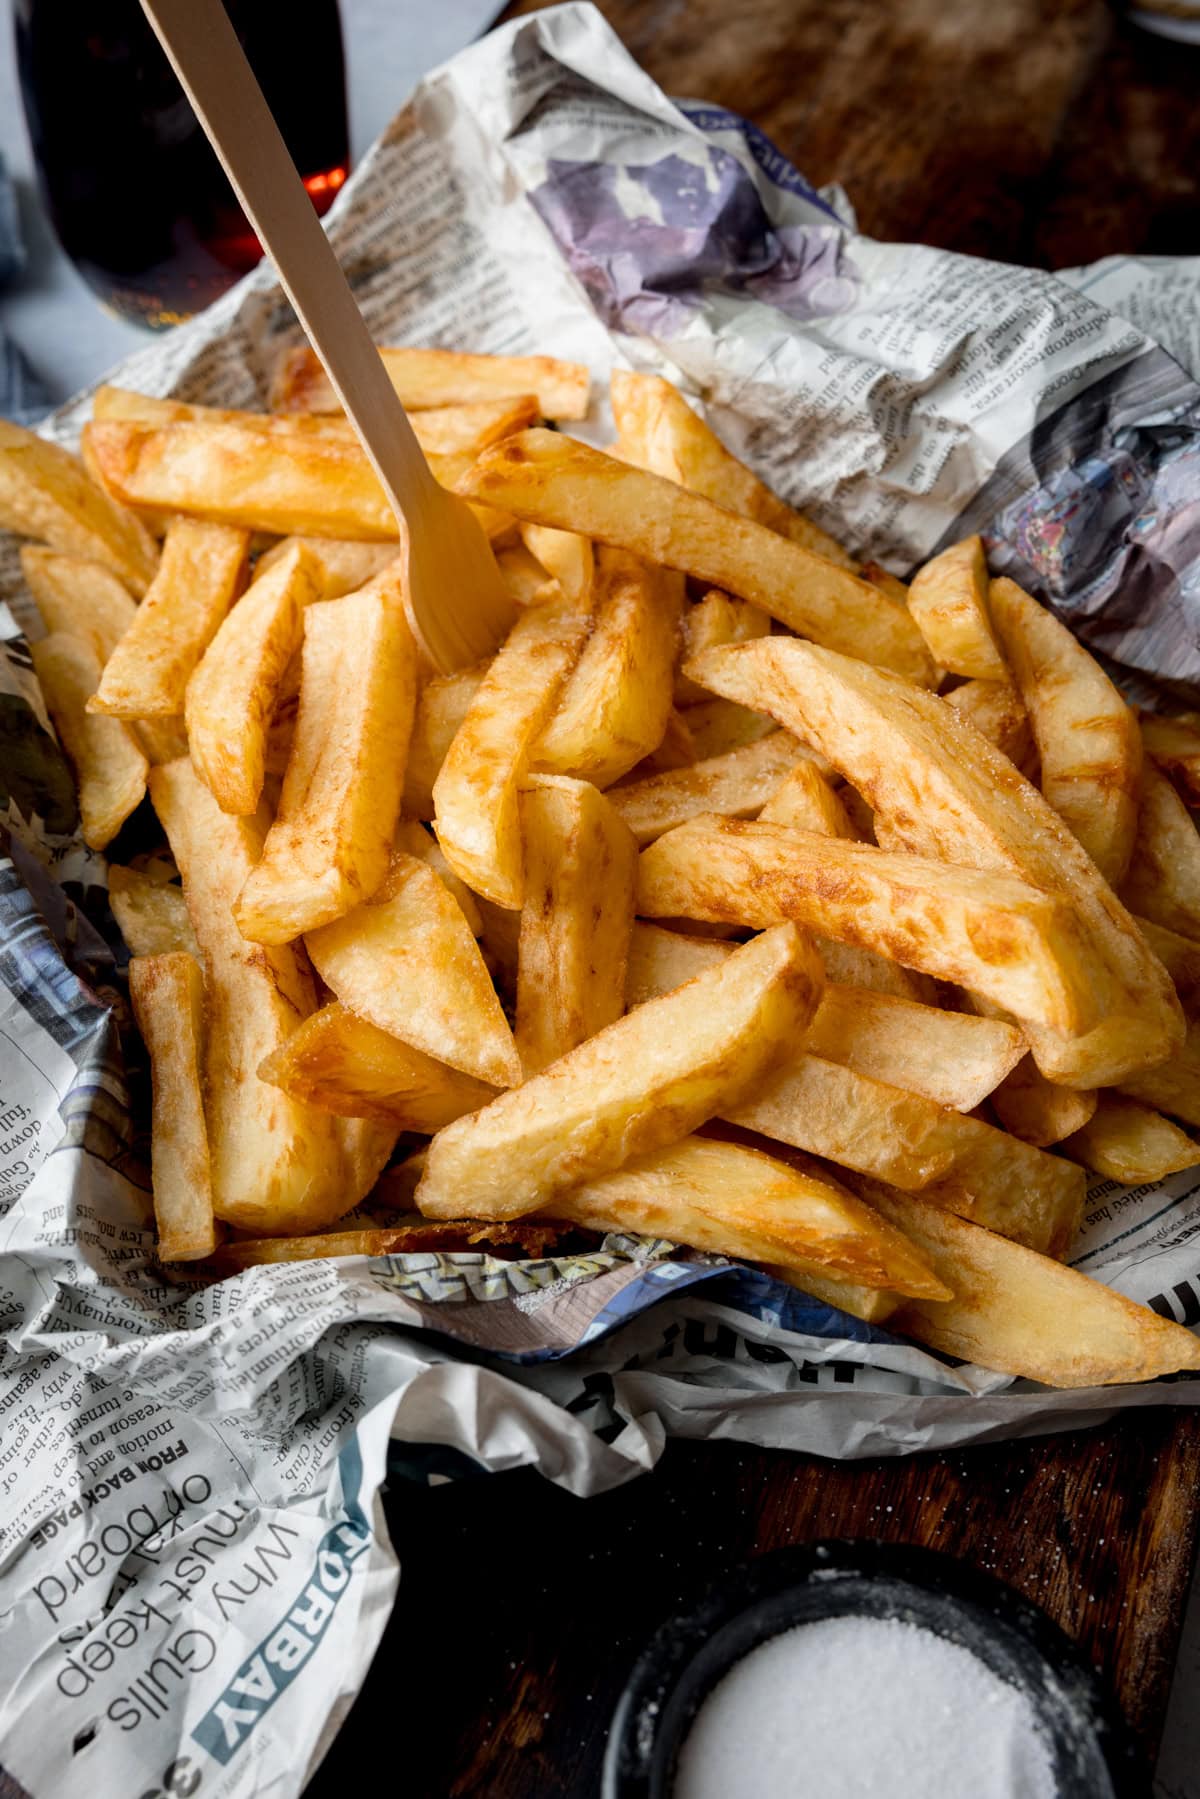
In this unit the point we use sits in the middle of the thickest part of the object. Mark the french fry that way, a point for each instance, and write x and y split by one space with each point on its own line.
429 378
1019 946
734 785
852 966
676 750
231 694
46 493
996 710
874 1305
406 961
199 576
642 1083
951 1058
1022 1313
78 596
526 582
1163 882
580 870
161 739
1180 956
660 432
878 576
530 1236
330 843
552 480
1087 737
167 993
341 1063
942 790
341 566
949 600
615 704
656 953
1038 1111
719 725
153 915
109 766
566 557
1131 1143
277 1167
712 621
415 840
1173 744
805 799
1174 1086
476 809
734 1201
442 705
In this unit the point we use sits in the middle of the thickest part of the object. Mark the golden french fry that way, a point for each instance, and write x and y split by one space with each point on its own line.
580 869
1038 1111
532 1236
231 694
940 789
415 840
734 785
996 710
199 576
109 766
712 621
330 843
476 809
78 596
892 585
1019 946
1163 882
734 1201
660 432
406 961
1173 744
874 1305
46 493
442 705
341 1063
153 915
168 1003
1131 1143
1087 737
1022 1313
277 1167
949 600
719 725
1174 1086
805 799
341 565
1180 956
615 705
636 1086
553 480
852 966
161 739
525 580
566 557
428 378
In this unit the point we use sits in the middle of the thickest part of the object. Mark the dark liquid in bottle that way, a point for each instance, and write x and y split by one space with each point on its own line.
138 198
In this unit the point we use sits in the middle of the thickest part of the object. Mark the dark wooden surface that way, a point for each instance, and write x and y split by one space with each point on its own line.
1032 131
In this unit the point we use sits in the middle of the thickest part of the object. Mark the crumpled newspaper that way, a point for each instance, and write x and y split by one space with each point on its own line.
193 1568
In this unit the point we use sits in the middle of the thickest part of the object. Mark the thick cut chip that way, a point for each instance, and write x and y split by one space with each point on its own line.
734 786
996 710
442 705
852 966
1173 744
566 557
660 432
805 799
580 870
428 378
712 621
343 1064
1163 882
46 493
407 962
415 840
341 566
1131 1143
475 795
941 789
1024 1314
1180 956
109 767
1019 946
719 725
734 1201
1174 1086
949 600
277 1166
232 693
330 843
153 915
874 1305
1037 1110
162 739
676 750
644 1082
614 706
199 577
168 1003
525 580
81 597
1086 735
552 480
531 1236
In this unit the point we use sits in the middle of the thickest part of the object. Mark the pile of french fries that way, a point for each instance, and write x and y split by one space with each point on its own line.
747 898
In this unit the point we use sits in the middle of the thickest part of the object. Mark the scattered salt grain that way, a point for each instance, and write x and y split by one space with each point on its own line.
856 1707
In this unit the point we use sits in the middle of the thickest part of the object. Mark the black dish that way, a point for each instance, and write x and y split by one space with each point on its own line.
1092 1752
